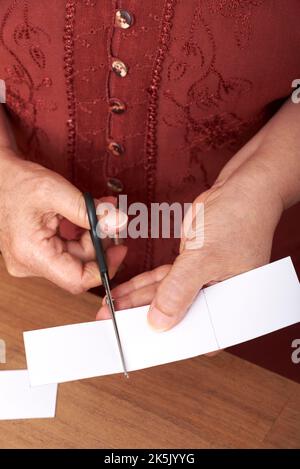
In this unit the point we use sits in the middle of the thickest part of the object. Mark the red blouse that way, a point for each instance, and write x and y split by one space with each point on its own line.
148 98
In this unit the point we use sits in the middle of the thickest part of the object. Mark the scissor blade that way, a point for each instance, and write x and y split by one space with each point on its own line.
111 307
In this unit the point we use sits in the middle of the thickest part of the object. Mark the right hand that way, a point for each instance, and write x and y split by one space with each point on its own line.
33 202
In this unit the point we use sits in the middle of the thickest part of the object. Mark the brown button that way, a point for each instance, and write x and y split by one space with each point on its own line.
115 185
119 68
115 148
124 19
116 106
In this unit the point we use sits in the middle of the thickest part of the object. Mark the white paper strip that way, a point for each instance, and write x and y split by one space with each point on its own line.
18 400
238 309
90 349
255 303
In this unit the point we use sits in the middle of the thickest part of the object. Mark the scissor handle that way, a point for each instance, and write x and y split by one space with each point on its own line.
93 220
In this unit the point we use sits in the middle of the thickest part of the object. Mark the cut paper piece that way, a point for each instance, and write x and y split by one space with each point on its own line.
239 309
255 303
18 400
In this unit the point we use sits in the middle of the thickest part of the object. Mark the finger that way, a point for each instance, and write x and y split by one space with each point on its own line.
67 230
111 220
84 249
192 231
140 281
178 290
115 255
71 273
69 202
104 312
140 297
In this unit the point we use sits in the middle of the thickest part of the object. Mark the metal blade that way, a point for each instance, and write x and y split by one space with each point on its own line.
111 307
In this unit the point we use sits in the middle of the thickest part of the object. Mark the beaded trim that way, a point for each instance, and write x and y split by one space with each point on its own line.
68 39
152 123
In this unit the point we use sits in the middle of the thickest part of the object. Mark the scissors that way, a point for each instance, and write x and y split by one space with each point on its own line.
101 261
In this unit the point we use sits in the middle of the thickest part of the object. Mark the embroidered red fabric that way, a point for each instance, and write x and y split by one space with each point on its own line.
202 78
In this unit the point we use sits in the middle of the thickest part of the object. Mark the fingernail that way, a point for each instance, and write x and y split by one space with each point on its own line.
97 276
112 221
158 320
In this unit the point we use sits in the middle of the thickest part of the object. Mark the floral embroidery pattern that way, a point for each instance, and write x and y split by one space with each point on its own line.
241 11
205 112
22 90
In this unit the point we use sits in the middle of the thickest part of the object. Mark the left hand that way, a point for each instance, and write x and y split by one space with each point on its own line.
240 216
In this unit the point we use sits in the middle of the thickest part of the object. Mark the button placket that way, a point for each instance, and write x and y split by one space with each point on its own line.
123 21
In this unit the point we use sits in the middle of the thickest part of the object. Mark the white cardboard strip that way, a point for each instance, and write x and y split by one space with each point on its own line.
254 303
242 308
90 349
18 400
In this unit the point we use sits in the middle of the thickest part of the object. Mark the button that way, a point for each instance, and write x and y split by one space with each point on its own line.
124 19
116 106
115 148
115 185
119 68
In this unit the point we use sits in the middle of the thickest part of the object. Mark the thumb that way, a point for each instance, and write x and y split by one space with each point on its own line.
177 291
68 201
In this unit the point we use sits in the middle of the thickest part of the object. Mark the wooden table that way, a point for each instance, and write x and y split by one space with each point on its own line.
199 403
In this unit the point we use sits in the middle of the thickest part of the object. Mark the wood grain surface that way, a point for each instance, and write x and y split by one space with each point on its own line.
218 402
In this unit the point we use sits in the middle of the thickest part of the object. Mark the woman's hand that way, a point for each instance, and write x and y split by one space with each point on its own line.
33 202
240 216
241 212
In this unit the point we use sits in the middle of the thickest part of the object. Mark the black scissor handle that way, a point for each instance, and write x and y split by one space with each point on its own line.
97 242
